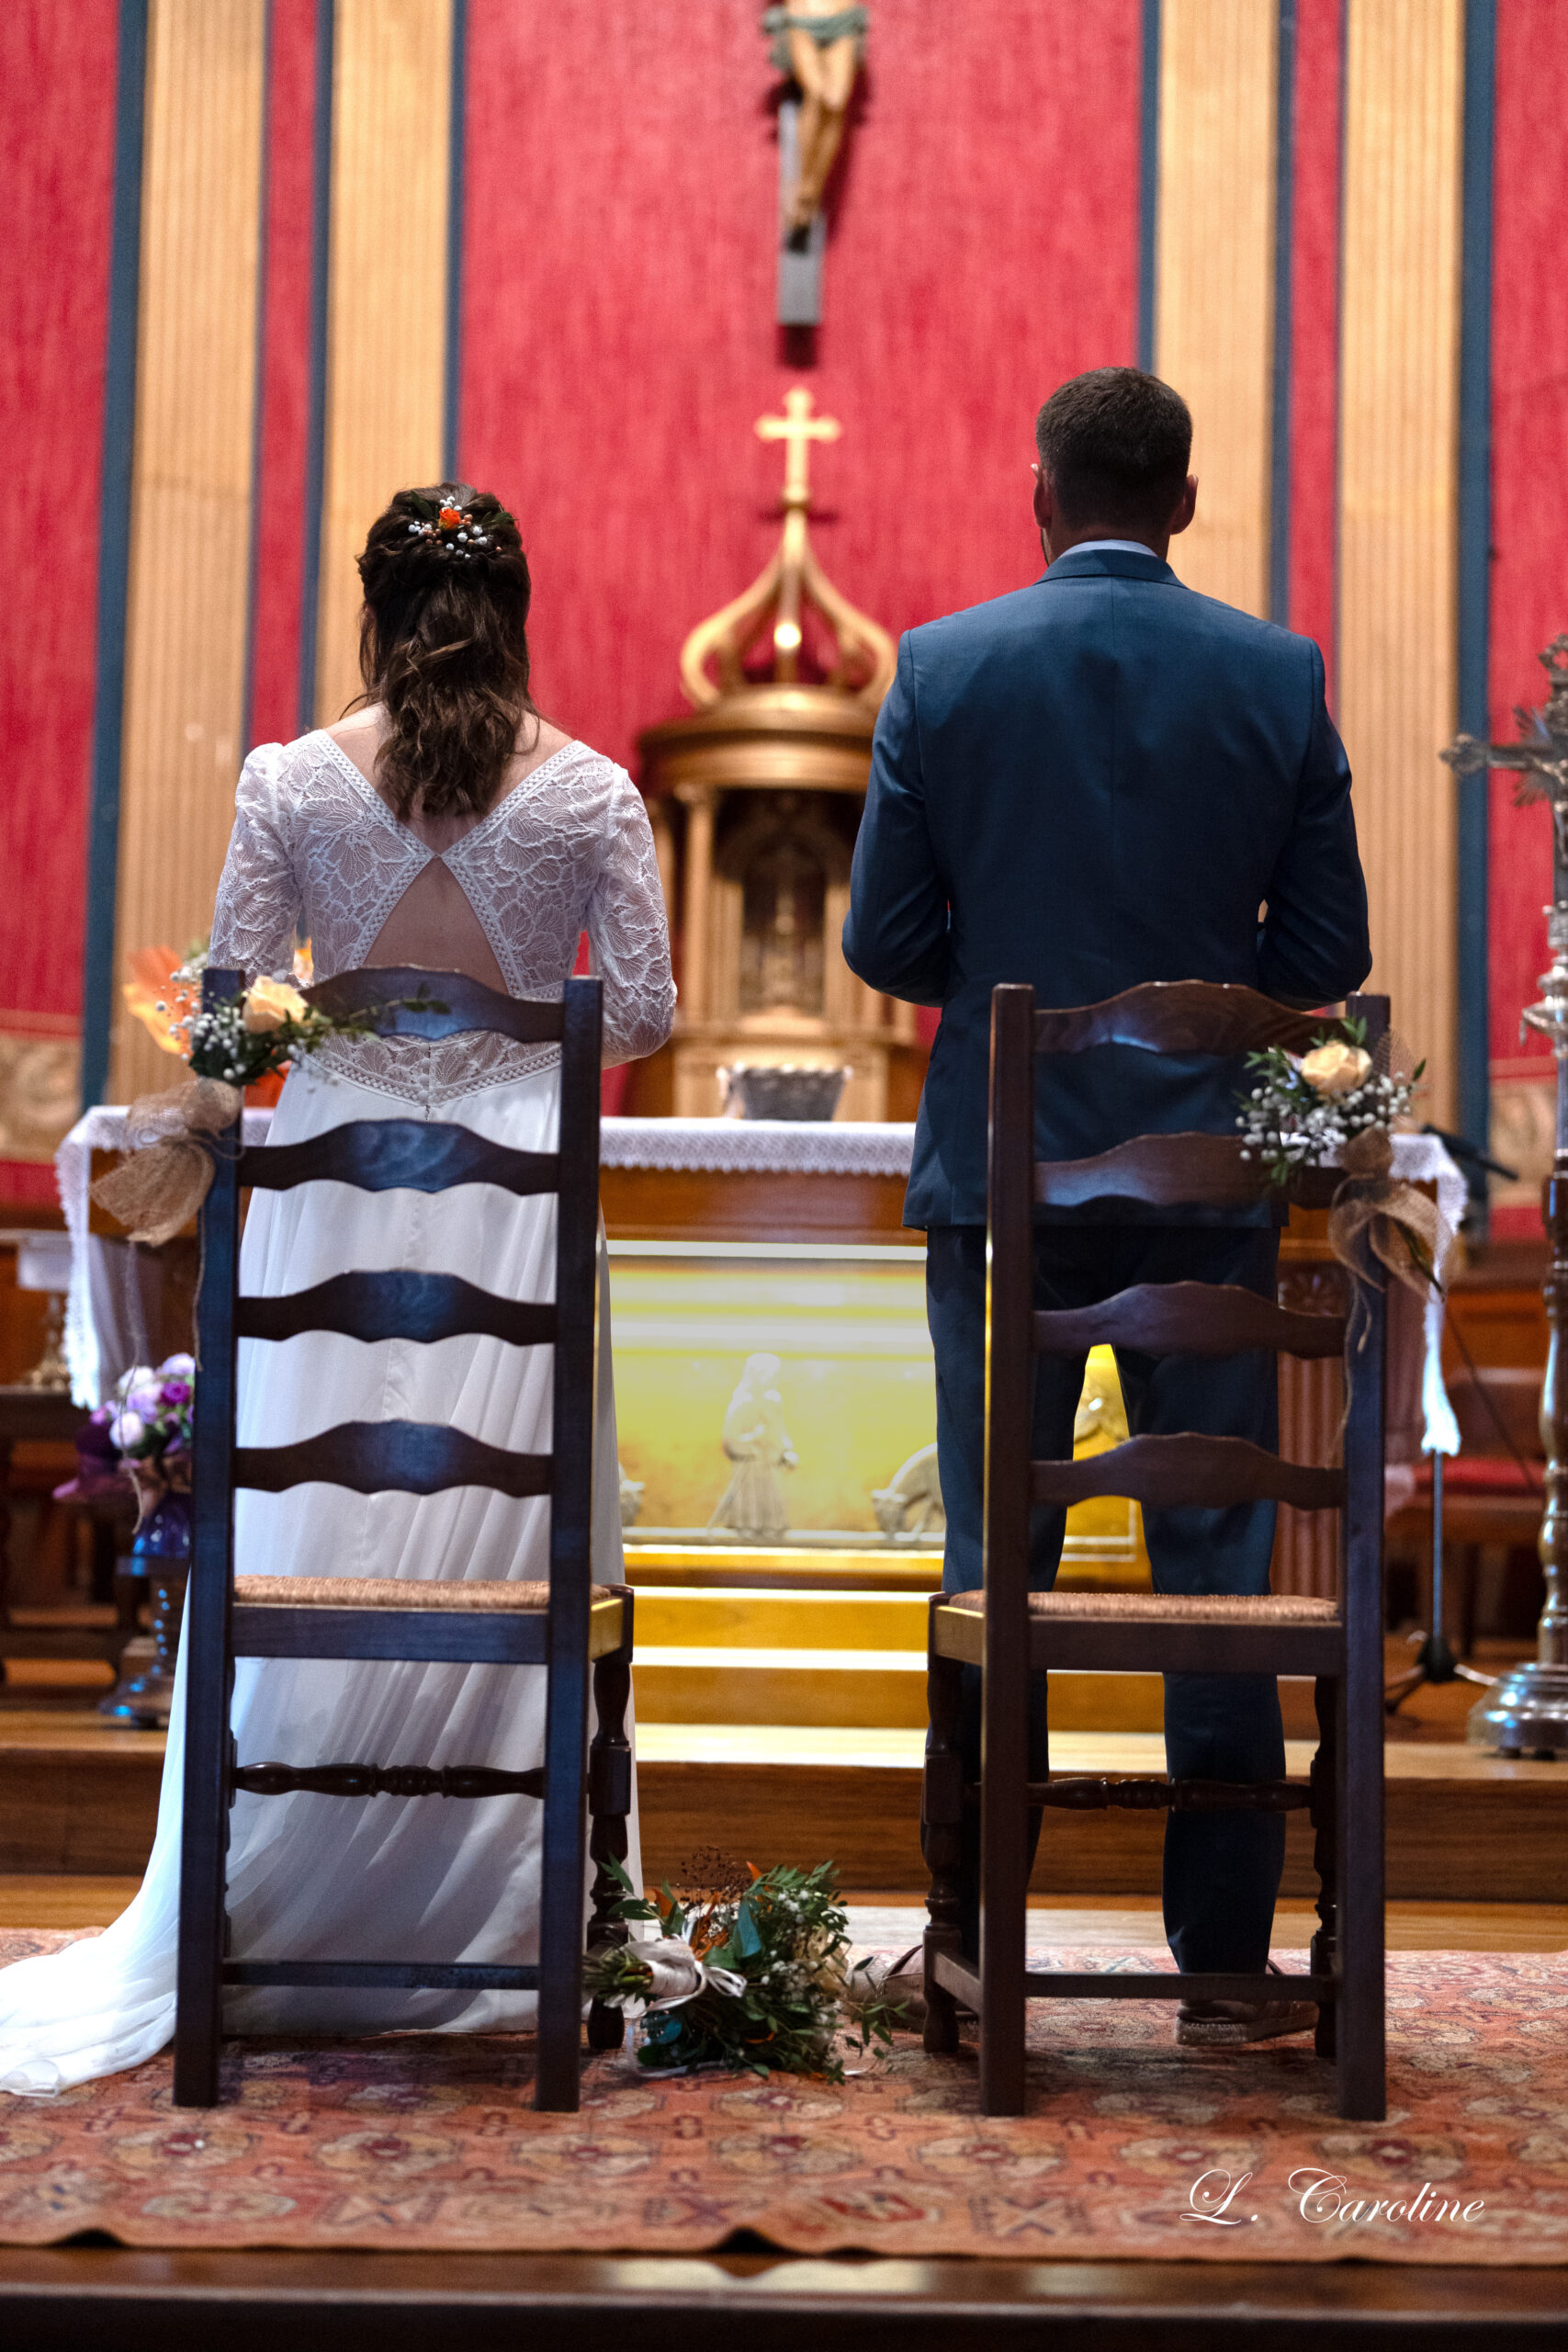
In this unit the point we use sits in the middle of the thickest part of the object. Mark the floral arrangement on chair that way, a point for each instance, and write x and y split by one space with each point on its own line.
1306 1110
750 1971
265 1030
1336 1106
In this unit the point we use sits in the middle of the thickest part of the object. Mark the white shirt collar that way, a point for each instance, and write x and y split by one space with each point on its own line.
1121 547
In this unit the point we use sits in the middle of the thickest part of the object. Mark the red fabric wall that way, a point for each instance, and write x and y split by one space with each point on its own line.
57 67
1530 501
619 340
1314 312
284 374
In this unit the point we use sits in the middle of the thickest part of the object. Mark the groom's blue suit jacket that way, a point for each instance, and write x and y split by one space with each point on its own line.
1103 780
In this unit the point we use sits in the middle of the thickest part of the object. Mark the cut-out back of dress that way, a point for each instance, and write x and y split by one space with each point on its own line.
317 853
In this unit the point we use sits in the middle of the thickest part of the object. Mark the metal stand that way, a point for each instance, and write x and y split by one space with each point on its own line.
1526 1712
1435 1661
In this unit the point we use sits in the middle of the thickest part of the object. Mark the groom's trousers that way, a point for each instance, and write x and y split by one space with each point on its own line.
1222 1871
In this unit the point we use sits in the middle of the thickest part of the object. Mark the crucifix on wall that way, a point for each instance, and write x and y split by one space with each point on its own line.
820 47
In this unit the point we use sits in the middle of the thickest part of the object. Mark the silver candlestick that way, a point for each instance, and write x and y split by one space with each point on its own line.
1526 1709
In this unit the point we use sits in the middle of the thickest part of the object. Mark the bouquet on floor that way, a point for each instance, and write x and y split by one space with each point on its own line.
1336 1106
749 1972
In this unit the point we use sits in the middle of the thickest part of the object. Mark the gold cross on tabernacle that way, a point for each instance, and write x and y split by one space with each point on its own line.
797 428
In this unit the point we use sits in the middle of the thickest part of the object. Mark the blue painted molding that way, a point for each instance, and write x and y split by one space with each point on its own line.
114 549
316 386
452 364
258 393
1474 564
1283 356
1148 182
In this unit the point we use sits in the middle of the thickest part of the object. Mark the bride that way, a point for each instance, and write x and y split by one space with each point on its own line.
447 824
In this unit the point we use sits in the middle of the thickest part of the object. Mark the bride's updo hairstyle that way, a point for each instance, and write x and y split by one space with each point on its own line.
444 646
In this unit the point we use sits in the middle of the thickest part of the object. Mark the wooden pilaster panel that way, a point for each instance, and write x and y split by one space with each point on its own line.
191 494
1398 476
391 116
1215 299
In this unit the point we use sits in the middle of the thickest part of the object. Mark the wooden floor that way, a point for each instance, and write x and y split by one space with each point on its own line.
58 2300
53 1899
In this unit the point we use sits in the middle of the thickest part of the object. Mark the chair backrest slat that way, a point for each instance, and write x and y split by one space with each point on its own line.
1187 1319
392 1457
396 1306
1179 1017
1169 1172
1177 1473
386 990
398 1154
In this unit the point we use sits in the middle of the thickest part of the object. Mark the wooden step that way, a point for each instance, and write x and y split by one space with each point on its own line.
80 1795
866 1689
689 1615
798 1566
1463 1826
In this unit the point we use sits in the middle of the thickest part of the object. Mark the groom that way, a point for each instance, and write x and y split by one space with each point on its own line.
1102 780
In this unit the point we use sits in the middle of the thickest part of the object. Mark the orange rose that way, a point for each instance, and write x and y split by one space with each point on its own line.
1335 1069
269 1003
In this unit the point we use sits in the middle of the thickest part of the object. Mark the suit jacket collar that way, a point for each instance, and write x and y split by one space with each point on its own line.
1108 563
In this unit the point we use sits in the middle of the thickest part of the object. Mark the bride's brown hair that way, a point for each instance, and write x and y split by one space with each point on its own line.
444 646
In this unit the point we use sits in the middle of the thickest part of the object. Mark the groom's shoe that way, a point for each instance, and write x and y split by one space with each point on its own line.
1228 2025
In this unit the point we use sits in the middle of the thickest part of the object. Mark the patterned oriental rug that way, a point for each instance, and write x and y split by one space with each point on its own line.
1131 2147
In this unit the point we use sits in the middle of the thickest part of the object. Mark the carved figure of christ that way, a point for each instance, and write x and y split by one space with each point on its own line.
826 73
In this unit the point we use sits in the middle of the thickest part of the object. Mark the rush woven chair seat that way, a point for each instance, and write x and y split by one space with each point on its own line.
569 1625
1009 1632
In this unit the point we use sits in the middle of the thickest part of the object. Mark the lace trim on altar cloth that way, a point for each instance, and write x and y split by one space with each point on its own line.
757 1146
413 1070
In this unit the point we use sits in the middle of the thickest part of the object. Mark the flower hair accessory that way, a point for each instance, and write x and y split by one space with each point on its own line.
456 530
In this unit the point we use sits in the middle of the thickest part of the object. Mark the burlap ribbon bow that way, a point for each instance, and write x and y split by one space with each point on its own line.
1401 1226
167 1173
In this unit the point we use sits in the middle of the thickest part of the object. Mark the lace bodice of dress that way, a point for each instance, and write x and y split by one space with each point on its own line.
569 850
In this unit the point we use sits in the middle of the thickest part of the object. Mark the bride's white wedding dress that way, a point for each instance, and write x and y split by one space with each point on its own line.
312 1877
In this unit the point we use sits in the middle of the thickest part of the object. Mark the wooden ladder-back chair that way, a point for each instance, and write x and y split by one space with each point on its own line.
1008 1631
565 1626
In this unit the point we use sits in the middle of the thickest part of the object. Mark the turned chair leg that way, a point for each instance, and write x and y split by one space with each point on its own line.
609 1806
942 1828
1325 1855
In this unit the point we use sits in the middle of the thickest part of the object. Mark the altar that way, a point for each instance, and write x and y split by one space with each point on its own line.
736 1242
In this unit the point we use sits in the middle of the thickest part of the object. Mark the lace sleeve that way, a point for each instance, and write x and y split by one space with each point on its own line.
258 897
627 937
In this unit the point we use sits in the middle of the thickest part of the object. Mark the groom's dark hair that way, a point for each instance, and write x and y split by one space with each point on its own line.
1115 442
